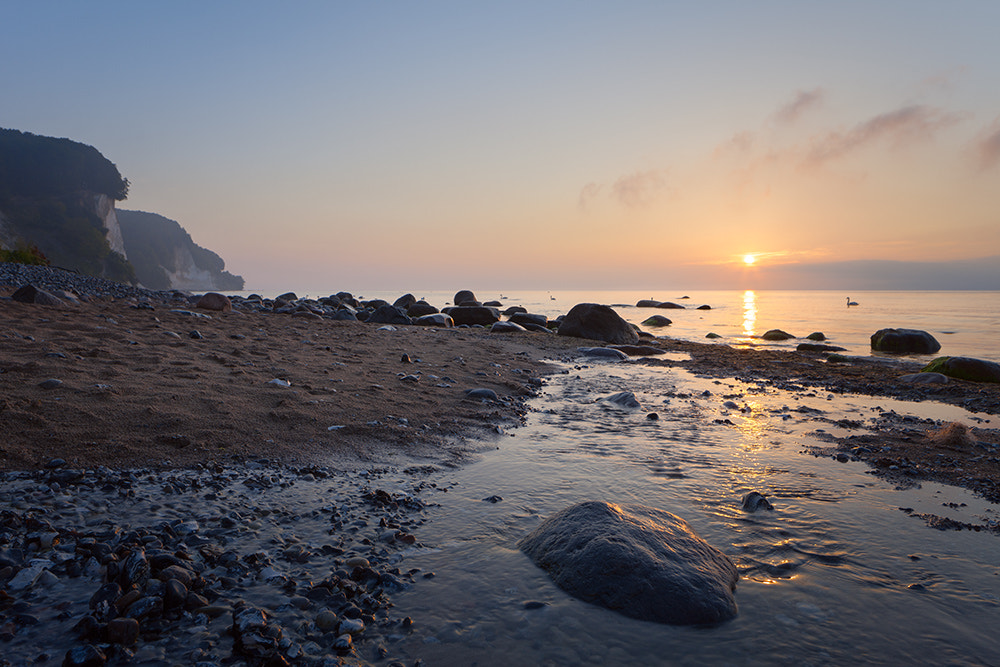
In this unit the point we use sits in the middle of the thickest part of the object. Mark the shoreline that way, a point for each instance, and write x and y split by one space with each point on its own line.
136 389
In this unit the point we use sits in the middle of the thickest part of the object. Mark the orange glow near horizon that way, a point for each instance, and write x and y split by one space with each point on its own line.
749 260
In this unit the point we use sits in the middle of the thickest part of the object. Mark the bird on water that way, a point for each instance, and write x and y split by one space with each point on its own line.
851 303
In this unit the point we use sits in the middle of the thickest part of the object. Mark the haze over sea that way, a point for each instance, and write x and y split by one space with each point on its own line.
965 323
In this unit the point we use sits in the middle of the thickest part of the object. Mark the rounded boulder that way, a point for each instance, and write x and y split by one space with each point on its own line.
639 561
597 322
904 341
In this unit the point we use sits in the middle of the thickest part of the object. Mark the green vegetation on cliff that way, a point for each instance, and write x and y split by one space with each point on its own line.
45 167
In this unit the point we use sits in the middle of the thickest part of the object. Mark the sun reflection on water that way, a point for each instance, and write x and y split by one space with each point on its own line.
749 312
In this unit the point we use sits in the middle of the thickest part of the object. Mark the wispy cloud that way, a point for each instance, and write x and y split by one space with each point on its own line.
988 147
901 127
639 188
803 102
588 193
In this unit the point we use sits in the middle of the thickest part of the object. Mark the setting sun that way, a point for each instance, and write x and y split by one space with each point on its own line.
749 260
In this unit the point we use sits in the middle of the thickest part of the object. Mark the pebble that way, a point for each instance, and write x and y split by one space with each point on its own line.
138 585
51 383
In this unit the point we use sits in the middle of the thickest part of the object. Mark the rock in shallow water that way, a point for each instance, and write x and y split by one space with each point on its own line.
642 562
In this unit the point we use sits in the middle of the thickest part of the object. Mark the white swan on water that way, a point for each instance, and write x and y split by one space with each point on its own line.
851 303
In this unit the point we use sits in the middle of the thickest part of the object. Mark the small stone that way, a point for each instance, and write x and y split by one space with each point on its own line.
343 643
326 620
196 335
351 626
754 501
652 416
123 631
492 499
51 383
406 359
87 655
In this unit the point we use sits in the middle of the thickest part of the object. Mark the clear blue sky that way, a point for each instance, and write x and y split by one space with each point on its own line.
531 144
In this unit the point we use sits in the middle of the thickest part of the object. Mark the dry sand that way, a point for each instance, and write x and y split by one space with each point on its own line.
137 390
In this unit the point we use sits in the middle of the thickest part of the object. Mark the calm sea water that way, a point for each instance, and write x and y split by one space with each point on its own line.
965 323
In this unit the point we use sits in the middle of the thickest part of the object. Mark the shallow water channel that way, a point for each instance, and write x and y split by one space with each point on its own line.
836 574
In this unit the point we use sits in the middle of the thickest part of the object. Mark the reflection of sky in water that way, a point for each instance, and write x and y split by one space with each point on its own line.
835 559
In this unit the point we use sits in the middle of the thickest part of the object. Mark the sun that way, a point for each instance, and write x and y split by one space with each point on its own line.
749 260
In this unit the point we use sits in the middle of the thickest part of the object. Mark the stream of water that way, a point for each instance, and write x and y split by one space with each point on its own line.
836 574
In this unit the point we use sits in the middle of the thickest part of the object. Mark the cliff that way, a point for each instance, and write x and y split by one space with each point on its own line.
59 196
166 257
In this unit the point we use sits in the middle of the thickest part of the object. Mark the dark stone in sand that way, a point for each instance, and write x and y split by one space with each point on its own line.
387 314
122 631
529 318
537 328
642 562
482 394
777 334
87 655
465 296
965 368
405 301
434 320
287 297
345 314
656 321
817 347
471 315
31 294
215 301
507 327
591 320
421 308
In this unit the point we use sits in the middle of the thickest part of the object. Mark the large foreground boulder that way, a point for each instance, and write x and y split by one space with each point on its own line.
965 368
642 562
904 341
591 320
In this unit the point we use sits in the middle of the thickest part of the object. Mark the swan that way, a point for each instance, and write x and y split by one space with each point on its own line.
851 303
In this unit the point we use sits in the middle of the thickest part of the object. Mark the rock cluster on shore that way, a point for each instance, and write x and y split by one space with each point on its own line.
140 567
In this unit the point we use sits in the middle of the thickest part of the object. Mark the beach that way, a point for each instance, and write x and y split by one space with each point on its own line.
121 413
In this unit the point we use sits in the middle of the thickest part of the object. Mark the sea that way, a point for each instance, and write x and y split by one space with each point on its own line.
843 571
965 323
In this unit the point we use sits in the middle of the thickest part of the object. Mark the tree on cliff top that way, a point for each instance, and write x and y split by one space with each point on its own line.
36 166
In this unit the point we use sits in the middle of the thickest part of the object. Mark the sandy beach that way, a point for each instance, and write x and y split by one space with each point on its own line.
133 388
117 414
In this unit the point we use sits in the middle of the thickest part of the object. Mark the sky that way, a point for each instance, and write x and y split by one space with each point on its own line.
543 144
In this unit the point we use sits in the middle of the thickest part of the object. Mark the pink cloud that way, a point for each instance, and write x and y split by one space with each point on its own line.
988 147
804 101
902 127
639 188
